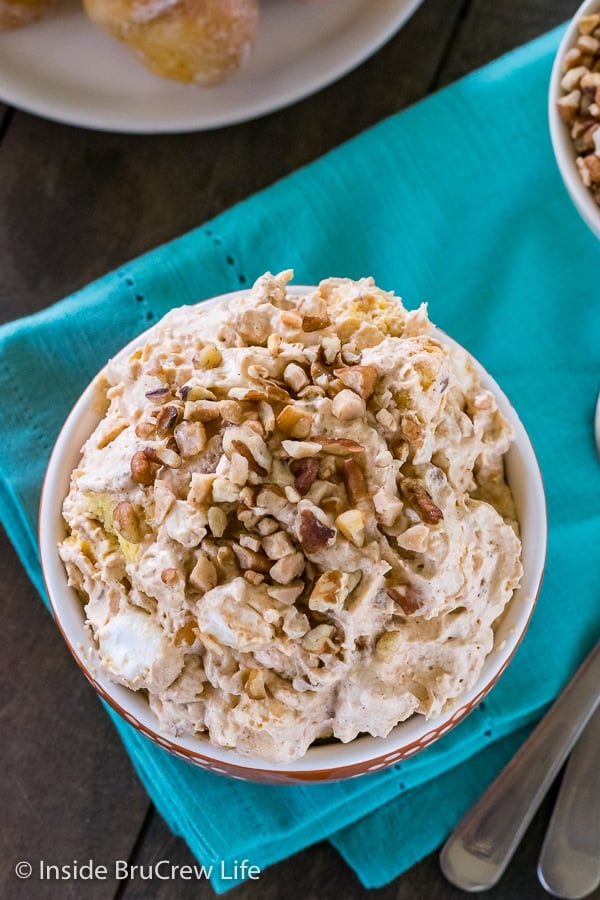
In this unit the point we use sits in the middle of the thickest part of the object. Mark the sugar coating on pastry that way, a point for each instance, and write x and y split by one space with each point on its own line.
291 523
194 41
17 13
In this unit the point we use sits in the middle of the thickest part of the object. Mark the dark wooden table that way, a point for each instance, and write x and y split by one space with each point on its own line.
74 204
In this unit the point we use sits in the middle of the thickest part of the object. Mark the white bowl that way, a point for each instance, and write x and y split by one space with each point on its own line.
562 143
325 762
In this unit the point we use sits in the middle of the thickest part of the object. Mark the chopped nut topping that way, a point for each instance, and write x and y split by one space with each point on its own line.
190 438
360 379
305 471
143 469
201 410
168 576
217 521
249 559
331 590
166 421
288 568
255 684
126 522
405 598
421 501
277 545
348 405
354 479
294 422
295 377
314 535
315 323
254 578
352 525
271 498
301 449
114 433
338 446
203 576
318 639
579 105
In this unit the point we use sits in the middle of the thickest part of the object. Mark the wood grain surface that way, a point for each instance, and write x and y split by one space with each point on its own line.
75 203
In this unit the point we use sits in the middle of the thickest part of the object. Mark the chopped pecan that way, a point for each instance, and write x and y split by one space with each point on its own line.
405 598
354 480
288 568
276 392
271 498
360 379
319 639
294 422
190 438
166 420
331 589
111 435
338 446
352 525
246 441
295 377
126 522
163 456
421 501
249 559
314 535
277 545
159 395
201 410
315 323
249 395
305 471
348 405
143 469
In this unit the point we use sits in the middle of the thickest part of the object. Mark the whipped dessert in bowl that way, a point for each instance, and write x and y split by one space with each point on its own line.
303 536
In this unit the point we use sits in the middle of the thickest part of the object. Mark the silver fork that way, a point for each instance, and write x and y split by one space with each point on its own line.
479 849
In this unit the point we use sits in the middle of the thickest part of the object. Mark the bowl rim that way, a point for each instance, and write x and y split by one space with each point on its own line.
562 143
321 762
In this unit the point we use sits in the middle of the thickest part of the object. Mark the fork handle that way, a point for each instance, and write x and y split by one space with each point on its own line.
484 841
569 864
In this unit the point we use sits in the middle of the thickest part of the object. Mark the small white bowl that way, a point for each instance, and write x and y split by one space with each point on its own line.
562 144
327 762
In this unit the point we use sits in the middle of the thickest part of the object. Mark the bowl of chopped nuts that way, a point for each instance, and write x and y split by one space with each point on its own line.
293 533
574 111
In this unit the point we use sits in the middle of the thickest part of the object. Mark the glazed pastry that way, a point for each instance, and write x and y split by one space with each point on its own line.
16 13
199 41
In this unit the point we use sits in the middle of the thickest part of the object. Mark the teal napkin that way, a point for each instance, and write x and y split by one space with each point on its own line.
456 201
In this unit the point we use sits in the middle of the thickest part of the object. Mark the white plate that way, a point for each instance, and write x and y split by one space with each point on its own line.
65 68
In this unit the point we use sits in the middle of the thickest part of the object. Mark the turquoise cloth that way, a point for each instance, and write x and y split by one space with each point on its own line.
456 201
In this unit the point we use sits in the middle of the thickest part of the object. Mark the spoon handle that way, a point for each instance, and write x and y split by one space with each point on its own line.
569 864
482 844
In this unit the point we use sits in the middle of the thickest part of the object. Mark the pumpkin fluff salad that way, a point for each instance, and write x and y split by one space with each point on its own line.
292 523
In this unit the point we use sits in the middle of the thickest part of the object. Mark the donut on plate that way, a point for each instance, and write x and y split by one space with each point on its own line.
199 41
